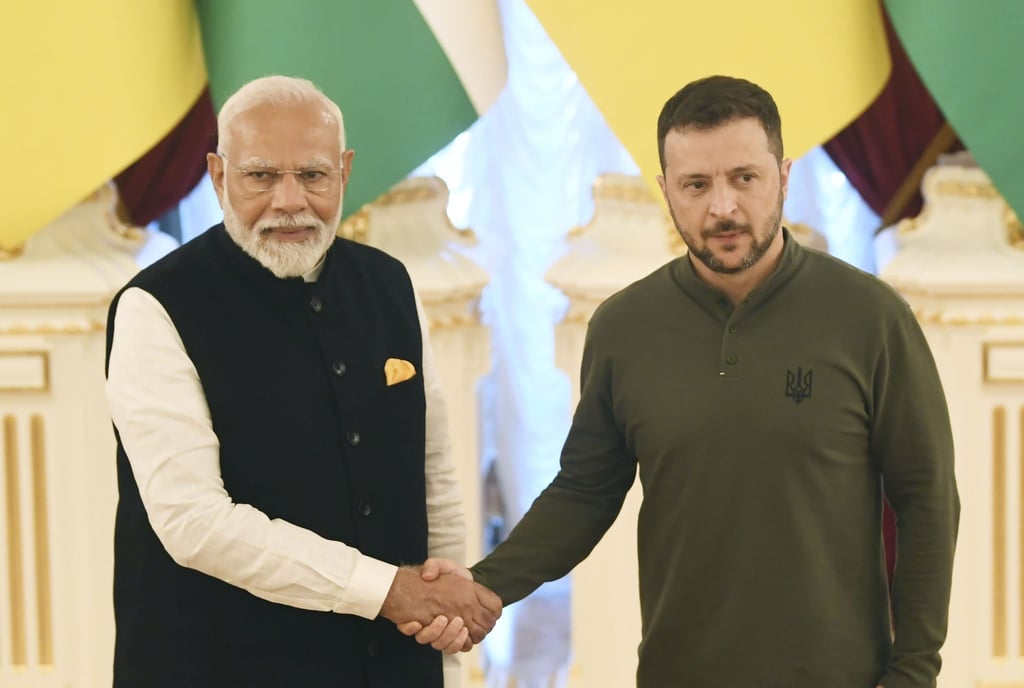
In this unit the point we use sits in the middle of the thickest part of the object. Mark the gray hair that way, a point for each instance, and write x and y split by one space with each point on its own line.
274 90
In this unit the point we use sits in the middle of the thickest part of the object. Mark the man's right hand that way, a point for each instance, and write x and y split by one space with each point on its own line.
441 589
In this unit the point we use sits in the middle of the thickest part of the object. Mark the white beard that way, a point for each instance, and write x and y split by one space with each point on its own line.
284 259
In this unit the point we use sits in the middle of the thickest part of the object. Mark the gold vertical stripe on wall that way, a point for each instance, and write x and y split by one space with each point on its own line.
1020 520
999 532
44 599
19 655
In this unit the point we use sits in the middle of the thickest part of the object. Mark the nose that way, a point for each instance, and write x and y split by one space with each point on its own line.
289 196
723 200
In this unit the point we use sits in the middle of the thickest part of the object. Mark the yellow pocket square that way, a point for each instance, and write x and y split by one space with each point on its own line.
398 370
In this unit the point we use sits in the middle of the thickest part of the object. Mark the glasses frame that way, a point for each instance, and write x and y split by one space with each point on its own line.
278 174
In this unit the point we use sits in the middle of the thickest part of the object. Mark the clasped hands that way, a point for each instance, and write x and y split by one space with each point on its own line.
441 605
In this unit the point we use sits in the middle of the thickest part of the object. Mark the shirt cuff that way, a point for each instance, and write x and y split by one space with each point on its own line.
369 586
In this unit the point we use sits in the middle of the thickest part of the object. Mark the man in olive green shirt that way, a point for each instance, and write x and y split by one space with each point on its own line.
769 394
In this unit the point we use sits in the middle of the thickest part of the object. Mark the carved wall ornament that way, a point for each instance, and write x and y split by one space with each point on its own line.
939 185
410 191
611 190
10 253
1014 229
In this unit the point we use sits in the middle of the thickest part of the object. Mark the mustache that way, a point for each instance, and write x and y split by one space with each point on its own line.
726 227
299 220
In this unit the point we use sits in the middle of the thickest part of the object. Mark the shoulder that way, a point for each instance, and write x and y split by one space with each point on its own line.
350 252
848 288
189 259
639 300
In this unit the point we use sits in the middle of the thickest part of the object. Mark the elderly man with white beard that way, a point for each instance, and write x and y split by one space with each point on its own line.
282 452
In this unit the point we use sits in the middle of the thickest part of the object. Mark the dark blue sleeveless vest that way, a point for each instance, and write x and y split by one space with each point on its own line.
310 433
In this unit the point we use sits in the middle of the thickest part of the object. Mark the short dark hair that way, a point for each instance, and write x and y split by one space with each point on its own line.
716 100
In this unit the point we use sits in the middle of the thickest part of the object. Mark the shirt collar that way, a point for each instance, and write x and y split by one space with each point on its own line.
792 257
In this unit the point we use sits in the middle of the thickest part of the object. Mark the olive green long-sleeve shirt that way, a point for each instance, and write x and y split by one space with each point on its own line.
763 434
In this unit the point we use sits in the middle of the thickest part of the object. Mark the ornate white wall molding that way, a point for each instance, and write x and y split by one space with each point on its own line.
961 268
56 448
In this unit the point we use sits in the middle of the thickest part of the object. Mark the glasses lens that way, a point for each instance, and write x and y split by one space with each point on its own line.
315 180
261 180
258 181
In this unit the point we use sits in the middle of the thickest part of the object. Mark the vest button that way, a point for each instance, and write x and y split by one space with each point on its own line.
364 508
316 304
339 368
372 648
353 438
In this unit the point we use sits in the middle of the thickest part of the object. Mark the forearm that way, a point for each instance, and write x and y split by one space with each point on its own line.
558 532
271 559
921 589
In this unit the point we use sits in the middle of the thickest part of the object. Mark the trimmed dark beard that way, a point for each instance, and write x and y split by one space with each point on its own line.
757 248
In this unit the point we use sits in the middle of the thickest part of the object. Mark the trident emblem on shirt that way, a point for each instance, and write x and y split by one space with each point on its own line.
798 384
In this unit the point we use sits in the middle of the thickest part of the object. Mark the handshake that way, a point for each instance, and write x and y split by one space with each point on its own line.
440 604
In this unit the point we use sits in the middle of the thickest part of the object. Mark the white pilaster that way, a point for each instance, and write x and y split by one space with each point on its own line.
57 475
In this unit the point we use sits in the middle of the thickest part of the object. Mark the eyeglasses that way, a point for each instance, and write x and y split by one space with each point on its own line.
259 179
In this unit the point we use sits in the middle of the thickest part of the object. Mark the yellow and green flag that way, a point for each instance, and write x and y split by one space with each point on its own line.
824 62
409 75
969 56
89 88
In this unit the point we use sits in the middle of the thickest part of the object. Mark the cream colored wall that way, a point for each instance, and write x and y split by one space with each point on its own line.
57 470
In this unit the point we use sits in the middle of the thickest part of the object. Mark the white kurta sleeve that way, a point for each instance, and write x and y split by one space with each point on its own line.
158 407
445 519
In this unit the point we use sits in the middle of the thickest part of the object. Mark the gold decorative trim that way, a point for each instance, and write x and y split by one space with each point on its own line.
999 684
607 189
102 303
357 226
45 355
986 373
1014 229
11 252
403 195
464 233
610 187
44 599
999 631
46 329
941 318
1020 522
950 294
963 189
110 196
19 649
909 225
973 190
